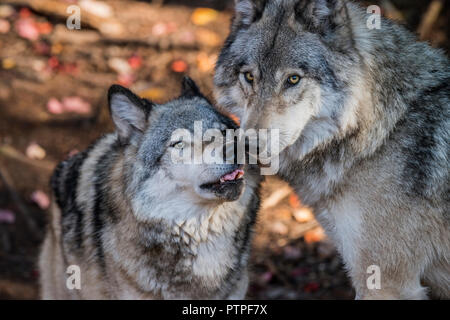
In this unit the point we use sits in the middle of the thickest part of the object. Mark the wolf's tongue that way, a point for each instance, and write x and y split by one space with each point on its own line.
236 174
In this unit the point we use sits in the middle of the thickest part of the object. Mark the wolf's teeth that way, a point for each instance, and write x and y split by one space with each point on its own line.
222 180
239 175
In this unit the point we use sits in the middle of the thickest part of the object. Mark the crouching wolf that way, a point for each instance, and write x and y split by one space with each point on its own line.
140 225
364 123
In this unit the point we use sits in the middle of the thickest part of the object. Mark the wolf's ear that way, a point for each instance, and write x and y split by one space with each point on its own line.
128 111
328 18
189 88
247 11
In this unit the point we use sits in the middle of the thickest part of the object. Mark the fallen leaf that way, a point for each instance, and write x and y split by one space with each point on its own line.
24 13
119 65
186 38
208 38
303 215
206 63
70 68
135 61
125 79
7 216
160 29
6 11
35 151
5 26
41 199
26 28
299 272
38 65
57 48
97 8
54 106
53 62
8 63
44 27
68 104
76 104
280 228
292 253
202 16
179 66
294 201
314 235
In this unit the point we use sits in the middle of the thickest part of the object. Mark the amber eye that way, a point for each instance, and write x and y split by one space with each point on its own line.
294 79
249 77
179 145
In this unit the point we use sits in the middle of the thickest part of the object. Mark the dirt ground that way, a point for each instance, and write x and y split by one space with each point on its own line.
53 84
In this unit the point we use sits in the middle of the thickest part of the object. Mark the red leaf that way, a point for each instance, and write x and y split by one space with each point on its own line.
26 28
135 61
41 199
179 66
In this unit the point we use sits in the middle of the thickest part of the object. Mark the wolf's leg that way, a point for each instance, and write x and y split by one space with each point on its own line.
437 277
383 255
386 272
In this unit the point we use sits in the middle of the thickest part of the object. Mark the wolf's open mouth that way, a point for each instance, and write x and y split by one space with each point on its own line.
229 178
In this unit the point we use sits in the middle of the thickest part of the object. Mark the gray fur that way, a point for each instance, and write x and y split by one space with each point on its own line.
364 136
138 225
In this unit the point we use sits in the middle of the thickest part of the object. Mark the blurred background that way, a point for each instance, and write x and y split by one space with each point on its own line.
53 84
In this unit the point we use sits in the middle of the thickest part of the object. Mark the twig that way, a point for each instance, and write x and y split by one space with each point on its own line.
12 153
429 18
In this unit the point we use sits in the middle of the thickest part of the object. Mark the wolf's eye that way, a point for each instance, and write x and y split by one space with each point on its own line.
249 77
178 145
294 79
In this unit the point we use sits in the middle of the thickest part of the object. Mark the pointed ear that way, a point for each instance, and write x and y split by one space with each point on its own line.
328 18
128 111
189 88
248 11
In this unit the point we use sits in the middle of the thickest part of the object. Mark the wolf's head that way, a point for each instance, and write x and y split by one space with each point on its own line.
287 65
152 166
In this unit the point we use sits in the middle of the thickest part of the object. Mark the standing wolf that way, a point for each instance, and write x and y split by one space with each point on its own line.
364 120
140 225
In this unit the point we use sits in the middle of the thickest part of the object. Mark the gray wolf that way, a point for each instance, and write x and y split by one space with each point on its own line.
140 226
364 120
